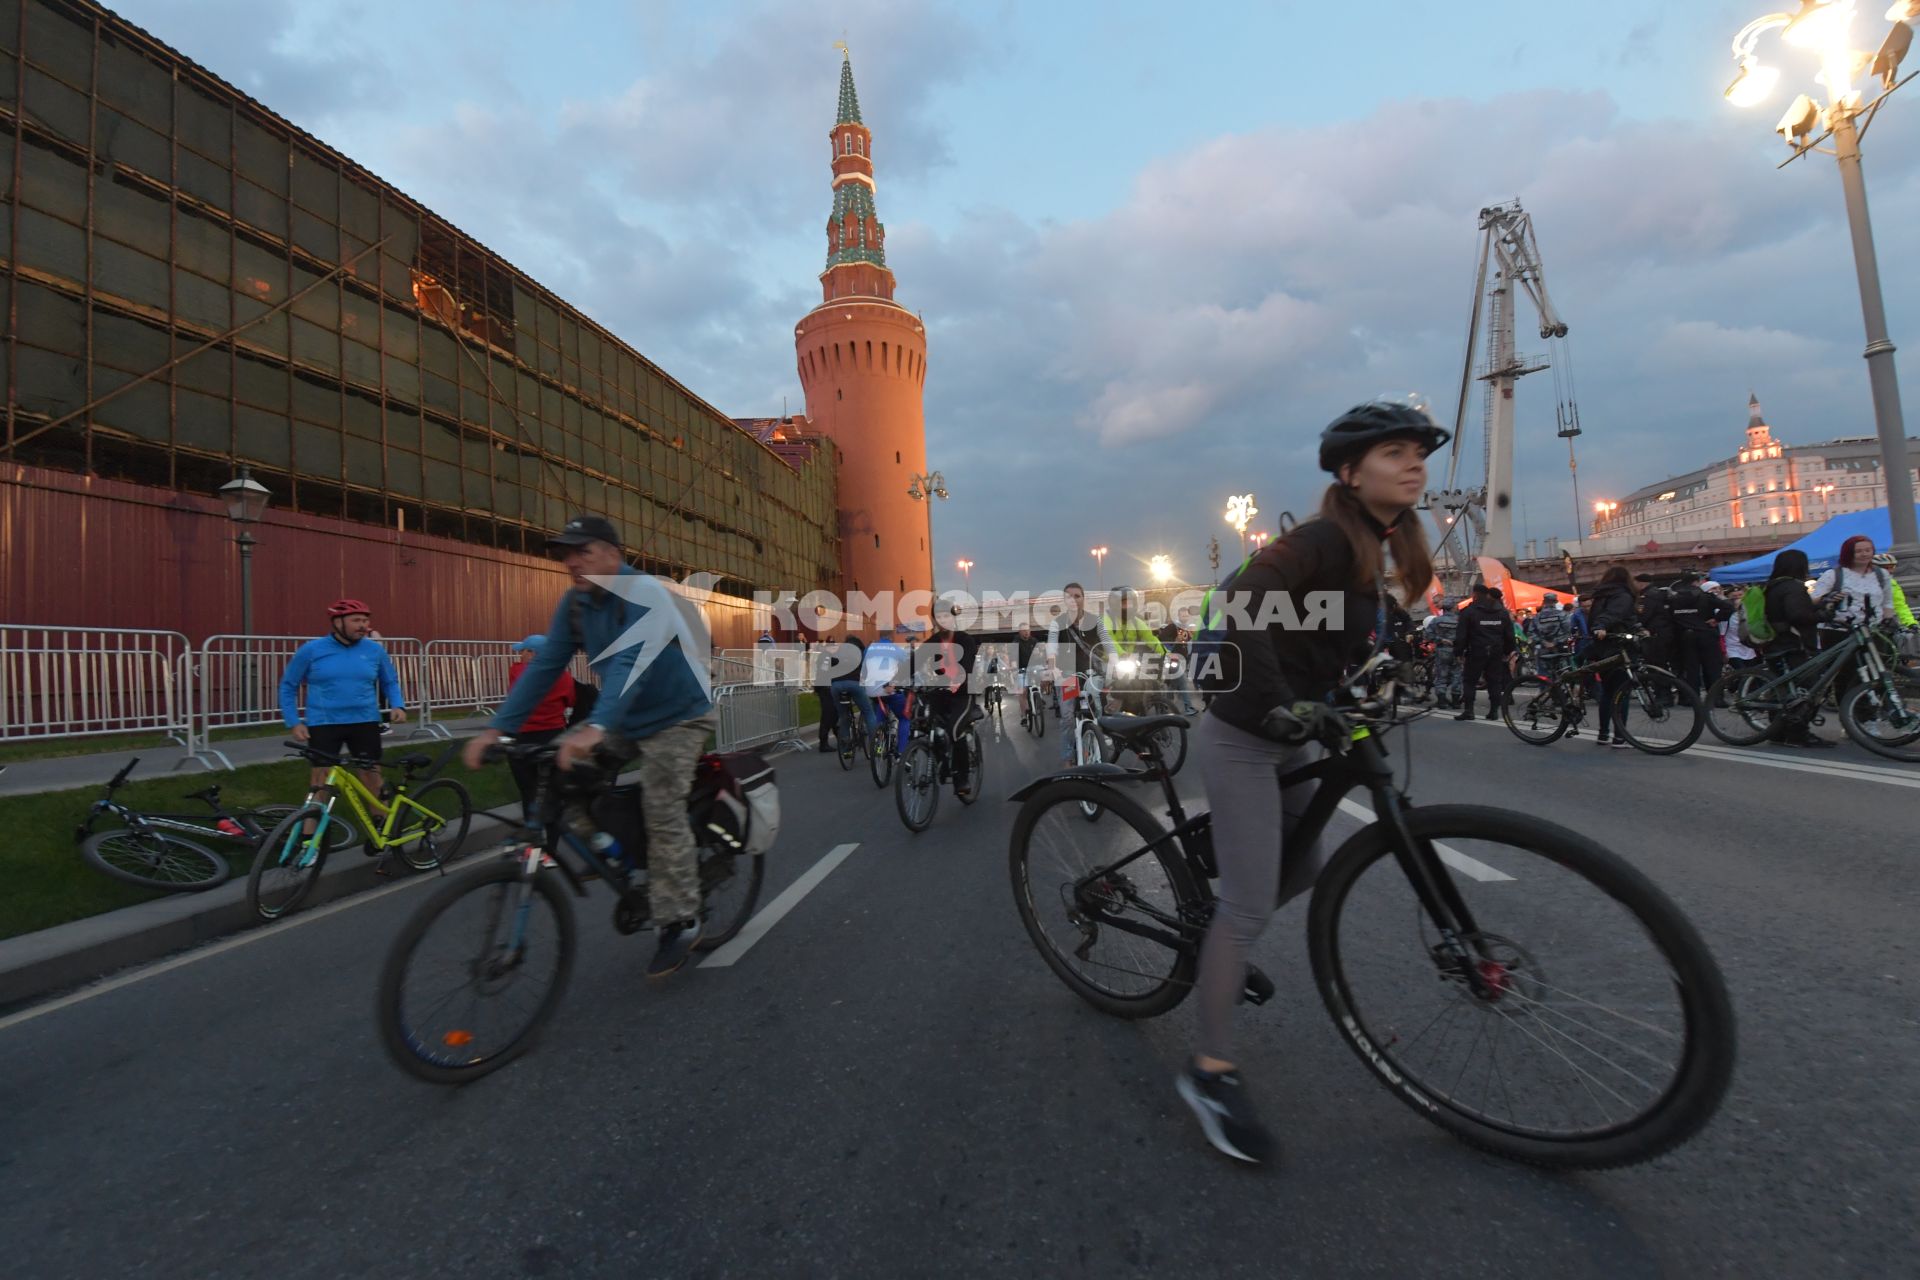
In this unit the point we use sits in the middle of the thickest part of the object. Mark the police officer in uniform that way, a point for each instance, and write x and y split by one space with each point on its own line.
1486 638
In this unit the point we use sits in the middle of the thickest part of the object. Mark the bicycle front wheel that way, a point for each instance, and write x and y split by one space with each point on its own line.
476 973
916 786
287 864
428 839
1538 712
1089 748
154 860
1884 720
1128 940
1669 717
1599 1033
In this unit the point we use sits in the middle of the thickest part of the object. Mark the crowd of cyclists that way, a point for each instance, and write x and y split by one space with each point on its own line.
1266 688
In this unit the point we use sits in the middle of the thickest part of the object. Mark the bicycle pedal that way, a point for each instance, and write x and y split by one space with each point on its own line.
1259 987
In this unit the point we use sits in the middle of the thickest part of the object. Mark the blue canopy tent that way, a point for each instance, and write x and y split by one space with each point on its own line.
1821 546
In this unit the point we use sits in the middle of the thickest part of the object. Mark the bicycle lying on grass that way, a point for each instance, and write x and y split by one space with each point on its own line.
164 850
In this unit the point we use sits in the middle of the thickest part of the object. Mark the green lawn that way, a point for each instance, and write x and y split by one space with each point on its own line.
47 883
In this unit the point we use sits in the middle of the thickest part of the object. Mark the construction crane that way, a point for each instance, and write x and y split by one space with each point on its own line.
1507 245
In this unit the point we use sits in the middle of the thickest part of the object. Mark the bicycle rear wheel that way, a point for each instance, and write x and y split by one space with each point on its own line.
976 767
1670 716
426 842
1538 711
916 786
880 753
340 834
1036 714
154 860
1607 1037
476 973
729 887
1736 712
1088 936
287 864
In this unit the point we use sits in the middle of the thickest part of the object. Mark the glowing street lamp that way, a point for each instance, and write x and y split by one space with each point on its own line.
966 572
1823 28
1161 567
1605 510
1823 490
1099 555
925 488
1240 514
1259 538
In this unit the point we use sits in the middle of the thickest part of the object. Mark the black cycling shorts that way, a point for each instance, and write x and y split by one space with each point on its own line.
360 741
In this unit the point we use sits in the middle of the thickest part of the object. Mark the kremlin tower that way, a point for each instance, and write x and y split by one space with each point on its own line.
863 363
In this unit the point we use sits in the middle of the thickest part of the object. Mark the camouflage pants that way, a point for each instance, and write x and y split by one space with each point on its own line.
666 776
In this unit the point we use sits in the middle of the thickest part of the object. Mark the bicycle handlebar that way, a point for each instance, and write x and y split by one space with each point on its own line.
119 779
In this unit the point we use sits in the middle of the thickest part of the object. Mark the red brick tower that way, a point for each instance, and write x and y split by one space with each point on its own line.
863 362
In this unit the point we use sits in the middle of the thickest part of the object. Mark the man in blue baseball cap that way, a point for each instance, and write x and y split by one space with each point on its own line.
547 720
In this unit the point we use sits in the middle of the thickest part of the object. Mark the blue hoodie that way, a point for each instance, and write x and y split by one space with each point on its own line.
343 682
668 694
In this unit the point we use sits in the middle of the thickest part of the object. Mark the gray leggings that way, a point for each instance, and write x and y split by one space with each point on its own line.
1251 819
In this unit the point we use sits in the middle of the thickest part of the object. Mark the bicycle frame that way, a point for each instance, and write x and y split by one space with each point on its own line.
1858 641
343 782
1363 763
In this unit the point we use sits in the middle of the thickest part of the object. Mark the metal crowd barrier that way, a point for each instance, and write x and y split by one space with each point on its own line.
71 682
757 715
239 684
464 675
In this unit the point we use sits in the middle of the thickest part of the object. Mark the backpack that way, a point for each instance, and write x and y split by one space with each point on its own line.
1211 637
1752 624
734 801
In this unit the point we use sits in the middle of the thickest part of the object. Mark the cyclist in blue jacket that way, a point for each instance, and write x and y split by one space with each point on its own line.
345 673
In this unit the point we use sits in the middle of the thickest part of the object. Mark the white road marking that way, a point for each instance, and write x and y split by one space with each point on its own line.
213 949
1448 854
1885 775
771 914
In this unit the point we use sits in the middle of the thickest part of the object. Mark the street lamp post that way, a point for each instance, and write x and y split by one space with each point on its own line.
966 573
246 500
925 489
1823 27
1823 490
1604 510
1100 558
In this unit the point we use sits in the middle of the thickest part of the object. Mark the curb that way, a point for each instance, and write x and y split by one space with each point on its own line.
51 960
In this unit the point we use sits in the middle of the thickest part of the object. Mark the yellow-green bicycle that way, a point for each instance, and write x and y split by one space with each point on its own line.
423 825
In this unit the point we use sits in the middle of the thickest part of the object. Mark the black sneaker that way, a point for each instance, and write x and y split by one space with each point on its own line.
1225 1113
675 949
1465 715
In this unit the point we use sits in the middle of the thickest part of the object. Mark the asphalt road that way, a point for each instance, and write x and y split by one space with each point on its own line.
891 1083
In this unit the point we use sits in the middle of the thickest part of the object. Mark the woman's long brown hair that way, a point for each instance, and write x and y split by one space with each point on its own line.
1412 561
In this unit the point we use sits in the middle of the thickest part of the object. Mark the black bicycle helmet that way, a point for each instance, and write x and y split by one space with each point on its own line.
1357 430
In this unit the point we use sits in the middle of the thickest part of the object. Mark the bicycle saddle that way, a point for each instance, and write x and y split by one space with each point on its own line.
211 794
1130 727
415 761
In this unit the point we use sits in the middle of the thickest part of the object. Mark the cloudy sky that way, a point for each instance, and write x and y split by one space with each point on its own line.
1156 246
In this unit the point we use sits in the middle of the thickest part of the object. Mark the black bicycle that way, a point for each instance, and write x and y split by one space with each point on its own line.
479 968
883 746
849 741
1509 979
928 762
1542 709
164 850
1033 715
1880 711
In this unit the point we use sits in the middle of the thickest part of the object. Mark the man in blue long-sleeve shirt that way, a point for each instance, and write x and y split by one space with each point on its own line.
345 674
662 717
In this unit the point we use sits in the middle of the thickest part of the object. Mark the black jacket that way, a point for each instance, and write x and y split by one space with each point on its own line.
1274 666
1698 612
1791 611
1486 629
1656 612
1614 610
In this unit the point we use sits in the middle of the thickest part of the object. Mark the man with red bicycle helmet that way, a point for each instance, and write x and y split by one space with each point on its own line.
345 673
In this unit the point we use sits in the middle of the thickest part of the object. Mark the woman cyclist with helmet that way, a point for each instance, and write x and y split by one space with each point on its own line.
344 672
1270 709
